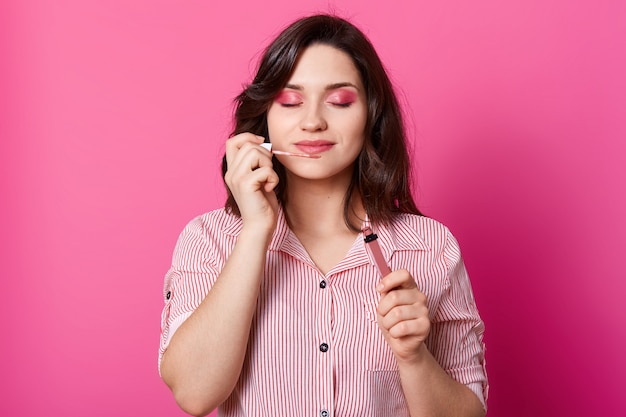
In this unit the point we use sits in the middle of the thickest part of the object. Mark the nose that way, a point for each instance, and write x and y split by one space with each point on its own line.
313 119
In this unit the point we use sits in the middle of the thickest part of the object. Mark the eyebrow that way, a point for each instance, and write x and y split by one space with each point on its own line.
328 87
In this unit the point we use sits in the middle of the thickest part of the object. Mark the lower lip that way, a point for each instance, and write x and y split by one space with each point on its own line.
314 149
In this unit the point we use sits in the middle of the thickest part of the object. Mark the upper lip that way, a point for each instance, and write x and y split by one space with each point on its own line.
316 142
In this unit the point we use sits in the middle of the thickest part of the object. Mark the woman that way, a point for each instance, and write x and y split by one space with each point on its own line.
274 305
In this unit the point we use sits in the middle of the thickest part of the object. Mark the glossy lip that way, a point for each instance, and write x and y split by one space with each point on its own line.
302 155
314 146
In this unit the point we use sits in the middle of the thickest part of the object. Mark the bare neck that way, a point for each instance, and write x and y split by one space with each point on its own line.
315 213
315 208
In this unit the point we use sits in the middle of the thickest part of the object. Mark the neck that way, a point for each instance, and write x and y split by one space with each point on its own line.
317 207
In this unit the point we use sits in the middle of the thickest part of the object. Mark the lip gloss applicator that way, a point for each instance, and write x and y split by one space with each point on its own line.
268 146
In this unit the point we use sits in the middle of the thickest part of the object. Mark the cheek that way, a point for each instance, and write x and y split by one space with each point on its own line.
358 122
278 124
273 118
278 115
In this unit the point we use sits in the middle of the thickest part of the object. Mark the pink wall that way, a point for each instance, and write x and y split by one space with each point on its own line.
113 116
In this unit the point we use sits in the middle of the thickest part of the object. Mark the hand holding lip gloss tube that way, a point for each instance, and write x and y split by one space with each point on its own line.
268 146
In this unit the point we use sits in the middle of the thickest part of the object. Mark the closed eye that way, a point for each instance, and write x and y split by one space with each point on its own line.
289 104
342 105
341 98
289 98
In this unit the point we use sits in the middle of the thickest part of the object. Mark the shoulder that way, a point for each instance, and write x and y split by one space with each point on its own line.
206 234
413 229
433 238
215 222
419 222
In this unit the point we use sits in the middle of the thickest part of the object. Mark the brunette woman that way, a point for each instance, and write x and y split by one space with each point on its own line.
320 289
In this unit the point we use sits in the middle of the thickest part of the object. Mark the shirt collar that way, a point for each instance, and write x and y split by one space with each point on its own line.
400 235
284 240
280 233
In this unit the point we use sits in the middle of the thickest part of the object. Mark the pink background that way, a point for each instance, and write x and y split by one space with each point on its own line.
113 116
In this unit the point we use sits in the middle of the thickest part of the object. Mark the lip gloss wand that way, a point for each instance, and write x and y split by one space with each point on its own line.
268 146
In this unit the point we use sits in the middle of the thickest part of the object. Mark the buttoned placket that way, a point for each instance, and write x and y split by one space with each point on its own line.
324 333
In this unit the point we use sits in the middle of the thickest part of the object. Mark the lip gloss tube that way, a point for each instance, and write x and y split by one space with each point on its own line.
372 243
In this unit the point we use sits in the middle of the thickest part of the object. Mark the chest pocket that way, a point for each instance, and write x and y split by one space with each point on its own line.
377 353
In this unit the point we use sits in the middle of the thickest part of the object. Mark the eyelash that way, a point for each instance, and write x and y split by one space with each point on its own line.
341 105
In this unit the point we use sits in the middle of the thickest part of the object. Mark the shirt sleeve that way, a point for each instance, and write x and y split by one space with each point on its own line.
187 282
456 337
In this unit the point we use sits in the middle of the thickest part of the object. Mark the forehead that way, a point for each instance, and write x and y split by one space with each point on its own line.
322 64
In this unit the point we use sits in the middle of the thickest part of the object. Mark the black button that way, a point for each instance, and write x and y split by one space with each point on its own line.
323 284
324 347
324 413
169 295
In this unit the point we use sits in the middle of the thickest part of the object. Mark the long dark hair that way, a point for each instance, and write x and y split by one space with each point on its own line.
382 170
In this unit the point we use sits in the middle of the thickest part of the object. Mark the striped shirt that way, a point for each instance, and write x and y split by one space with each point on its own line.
315 348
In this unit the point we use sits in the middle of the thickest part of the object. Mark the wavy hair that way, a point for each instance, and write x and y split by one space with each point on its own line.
382 169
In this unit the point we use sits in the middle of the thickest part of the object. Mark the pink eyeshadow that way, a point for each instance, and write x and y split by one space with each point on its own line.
288 97
342 96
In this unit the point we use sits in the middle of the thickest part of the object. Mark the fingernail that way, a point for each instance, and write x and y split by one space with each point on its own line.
380 286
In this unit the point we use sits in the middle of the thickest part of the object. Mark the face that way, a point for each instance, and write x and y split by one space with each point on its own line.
322 110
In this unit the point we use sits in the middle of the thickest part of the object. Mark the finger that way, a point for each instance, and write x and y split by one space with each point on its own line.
400 278
400 297
262 178
237 141
248 157
396 315
404 313
245 156
234 144
254 194
271 183
419 328
265 177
